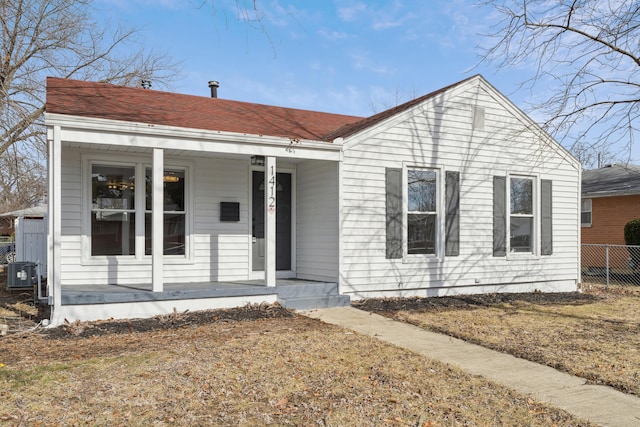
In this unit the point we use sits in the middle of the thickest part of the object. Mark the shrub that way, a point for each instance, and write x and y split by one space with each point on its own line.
632 237
632 232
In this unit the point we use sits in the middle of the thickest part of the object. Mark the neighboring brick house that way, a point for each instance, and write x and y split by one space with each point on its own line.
6 226
610 199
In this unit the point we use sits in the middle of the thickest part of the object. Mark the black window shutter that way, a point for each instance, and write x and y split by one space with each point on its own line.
393 179
452 217
546 223
499 216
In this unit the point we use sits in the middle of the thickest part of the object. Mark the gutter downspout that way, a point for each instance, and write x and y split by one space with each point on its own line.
579 272
54 282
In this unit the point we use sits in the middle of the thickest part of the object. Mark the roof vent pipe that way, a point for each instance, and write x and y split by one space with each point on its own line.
213 85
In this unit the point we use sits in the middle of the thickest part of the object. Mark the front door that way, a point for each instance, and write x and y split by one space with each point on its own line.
283 221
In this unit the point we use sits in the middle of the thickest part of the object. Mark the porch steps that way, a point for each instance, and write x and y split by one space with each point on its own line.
309 295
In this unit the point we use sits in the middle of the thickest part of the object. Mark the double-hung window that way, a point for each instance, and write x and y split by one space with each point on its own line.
586 212
113 214
522 215
419 220
521 218
422 211
174 222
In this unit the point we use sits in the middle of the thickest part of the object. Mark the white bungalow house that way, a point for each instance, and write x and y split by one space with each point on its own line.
161 201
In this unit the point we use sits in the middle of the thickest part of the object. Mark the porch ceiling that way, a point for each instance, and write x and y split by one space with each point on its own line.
107 148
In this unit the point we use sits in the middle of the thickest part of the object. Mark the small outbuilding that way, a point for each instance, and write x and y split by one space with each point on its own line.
29 228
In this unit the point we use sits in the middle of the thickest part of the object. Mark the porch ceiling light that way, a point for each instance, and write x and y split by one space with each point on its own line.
257 160
171 178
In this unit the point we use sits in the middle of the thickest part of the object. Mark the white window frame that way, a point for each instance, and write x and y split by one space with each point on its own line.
140 163
535 231
87 250
582 211
439 232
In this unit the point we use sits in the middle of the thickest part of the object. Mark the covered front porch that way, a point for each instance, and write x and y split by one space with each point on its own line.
221 259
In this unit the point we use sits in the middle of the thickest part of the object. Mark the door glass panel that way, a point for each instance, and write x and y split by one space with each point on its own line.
283 221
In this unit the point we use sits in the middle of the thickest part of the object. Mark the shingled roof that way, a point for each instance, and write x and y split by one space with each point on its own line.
107 101
611 180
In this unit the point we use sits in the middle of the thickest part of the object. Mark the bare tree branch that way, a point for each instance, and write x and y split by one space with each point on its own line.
586 60
41 38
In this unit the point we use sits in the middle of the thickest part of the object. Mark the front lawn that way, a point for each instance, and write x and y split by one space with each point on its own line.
219 369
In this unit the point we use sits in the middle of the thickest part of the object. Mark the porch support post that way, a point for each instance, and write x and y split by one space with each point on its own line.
54 281
270 221
157 220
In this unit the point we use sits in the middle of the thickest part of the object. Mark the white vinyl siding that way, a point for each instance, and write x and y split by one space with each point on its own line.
317 221
441 133
220 250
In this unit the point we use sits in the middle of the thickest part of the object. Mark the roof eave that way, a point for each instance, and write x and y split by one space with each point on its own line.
596 194
84 130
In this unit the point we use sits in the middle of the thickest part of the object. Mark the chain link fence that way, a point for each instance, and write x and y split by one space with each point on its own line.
611 264
7 249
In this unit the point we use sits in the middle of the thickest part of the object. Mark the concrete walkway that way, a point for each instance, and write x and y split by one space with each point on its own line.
599 404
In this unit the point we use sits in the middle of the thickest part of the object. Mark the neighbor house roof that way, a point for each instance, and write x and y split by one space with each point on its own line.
37 211
611 180
107 101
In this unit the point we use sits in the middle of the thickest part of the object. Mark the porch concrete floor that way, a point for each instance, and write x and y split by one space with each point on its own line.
109 294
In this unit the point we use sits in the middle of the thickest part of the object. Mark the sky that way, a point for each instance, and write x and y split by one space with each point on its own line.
352 57
343 56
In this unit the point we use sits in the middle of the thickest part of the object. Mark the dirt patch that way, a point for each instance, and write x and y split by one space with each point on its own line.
172 321
382 305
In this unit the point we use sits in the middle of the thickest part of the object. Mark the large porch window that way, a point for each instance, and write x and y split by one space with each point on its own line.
114 211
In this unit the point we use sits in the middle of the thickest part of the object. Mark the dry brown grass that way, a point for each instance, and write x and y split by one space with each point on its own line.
597 340
288 371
